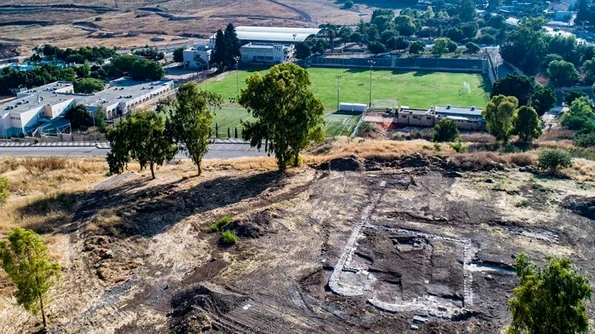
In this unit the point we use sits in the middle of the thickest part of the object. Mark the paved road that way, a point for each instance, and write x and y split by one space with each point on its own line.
216 151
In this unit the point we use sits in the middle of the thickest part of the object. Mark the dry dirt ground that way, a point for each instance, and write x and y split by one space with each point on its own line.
135 23
354 246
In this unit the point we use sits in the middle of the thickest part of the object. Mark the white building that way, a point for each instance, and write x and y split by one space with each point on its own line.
23 114
197 57
34 107
280 35
266 53
125 94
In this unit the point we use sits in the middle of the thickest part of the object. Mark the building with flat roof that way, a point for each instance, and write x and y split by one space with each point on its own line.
34 107
466 118
266 53
125 94
273 34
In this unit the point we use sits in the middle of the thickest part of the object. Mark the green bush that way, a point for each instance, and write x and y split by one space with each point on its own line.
437 147
585 140
522 204
4 192
228 238
348 4
552 160
215 227
458 147
445 131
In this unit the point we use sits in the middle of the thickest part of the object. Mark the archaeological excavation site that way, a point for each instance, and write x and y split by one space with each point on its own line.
418 244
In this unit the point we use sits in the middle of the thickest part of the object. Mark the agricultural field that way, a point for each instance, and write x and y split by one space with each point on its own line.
413 89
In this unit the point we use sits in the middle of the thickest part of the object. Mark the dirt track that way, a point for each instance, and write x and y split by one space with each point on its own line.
377 250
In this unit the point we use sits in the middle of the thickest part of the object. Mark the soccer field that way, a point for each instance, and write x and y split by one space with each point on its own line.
414 89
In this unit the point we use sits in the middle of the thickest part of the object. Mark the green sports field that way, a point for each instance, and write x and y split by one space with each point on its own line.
414 89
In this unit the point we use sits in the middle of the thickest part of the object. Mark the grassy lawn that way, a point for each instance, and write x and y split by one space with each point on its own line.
413 89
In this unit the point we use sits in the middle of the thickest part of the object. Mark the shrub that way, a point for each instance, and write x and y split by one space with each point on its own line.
445 131
4 192
219 224
552 160
522 204
348 4
585 140
458 147
437 147
228 238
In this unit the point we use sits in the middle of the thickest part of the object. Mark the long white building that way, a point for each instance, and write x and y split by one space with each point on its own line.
34 107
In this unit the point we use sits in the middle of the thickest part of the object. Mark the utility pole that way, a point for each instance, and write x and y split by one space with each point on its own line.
371 62
338 77
237 59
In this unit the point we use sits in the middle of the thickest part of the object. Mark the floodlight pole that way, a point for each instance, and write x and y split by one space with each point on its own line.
371 62
338 89
237 59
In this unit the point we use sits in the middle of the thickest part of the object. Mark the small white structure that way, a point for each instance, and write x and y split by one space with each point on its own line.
198 57
266 53
353 107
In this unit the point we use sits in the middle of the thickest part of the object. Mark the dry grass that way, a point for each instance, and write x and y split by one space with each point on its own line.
557 144
477 137
557 134
44 190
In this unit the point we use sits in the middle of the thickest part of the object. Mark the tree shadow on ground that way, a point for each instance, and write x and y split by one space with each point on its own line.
152 210
423 73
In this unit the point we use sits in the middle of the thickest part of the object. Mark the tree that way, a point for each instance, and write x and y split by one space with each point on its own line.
582 11
287 115
4 191
399 43
143 69
440 46
472 47
78 116
499 115
141 137
190 122
466 10
348 4
416 47
445 131
376 47
520 86
99 119
589 70
345 34
232 45
86 69
579 116
88 86
562 73
302 50
526 124
543 99
549 300
526 46
572 95
405 25
220 50
552 161
25 259
179 55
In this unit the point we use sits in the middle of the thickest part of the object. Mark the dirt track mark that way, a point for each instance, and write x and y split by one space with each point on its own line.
302 13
